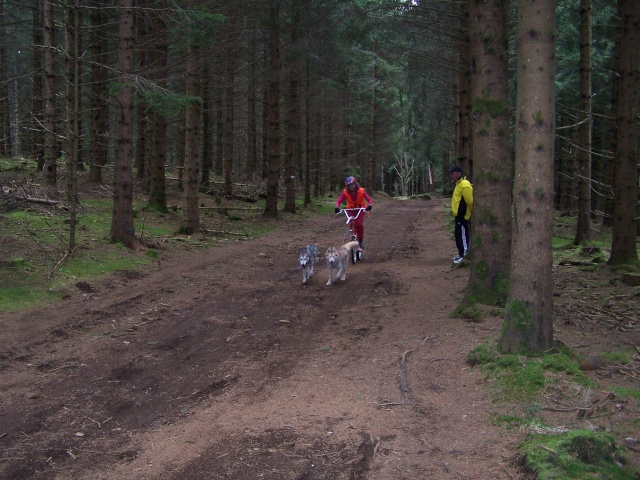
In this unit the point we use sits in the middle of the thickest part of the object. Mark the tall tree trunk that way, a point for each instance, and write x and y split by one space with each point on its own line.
72 116
158 123
491 232
99 123
316 148
5 112
51 150
610 165
122 227
37 142
141 160
625 217
273 109
529 314
252 120
583 228
229 100
307 134
371 160
207 144
265 120
463 83
192 145
292 136
218 165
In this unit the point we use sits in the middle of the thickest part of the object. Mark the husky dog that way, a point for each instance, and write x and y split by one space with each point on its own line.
339 259
307 258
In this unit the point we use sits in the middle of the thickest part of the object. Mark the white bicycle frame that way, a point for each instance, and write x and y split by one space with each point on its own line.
351 218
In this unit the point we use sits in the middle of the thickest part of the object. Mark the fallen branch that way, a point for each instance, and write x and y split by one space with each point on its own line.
547 449
43 201
404 388
224 232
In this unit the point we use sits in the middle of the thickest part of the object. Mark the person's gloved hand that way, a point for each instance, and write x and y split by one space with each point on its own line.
369 208
337 210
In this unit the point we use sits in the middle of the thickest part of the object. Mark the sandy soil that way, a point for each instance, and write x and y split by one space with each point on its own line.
222 365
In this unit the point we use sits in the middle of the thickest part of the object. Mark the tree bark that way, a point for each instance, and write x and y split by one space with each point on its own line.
5 109
51 151
252 119
192 143
72 116
122 227
491 220
207 144
292 137
273 109
99 120
624 229
229 99
37 137
583 180
528 325
157 139
463 126
373 129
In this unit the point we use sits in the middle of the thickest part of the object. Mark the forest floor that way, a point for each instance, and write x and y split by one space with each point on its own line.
221 364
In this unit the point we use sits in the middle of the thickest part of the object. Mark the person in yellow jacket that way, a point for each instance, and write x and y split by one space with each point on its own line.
461 206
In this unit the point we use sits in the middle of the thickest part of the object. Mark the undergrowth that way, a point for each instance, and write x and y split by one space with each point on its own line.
577 454
521 378
550 452
36 267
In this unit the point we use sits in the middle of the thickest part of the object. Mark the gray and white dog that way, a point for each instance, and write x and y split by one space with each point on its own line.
307 259
339 259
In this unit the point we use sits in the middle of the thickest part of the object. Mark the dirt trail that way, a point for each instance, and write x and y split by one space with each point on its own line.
222 365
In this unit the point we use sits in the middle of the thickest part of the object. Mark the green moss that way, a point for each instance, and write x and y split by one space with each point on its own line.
471 313
519 315
491 107
577 454
483 354
538 117
521 378
492 292
482 270
628 392
618 357
510 422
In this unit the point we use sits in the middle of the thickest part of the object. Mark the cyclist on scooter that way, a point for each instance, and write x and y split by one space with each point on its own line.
355 197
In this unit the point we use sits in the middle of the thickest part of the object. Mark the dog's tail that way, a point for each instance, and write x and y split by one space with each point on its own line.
350 245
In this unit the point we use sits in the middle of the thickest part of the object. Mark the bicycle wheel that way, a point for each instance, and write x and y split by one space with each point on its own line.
355 255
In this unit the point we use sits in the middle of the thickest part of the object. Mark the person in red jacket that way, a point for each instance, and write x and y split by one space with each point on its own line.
355 196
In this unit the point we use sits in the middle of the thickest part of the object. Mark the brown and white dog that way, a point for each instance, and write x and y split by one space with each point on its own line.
339 259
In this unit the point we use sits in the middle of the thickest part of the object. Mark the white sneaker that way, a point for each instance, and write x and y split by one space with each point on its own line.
457 259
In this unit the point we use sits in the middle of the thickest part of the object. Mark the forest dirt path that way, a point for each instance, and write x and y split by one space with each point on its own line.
222 365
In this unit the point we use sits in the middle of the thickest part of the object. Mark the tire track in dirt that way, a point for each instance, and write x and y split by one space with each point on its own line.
223 365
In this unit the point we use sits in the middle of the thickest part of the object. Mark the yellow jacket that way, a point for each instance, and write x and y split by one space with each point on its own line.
462 199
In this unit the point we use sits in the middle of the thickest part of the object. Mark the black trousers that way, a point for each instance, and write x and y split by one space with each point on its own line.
462 236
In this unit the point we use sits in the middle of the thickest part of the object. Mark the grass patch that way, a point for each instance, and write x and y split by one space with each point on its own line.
519 378
471 313
37 238
577 454
13 299
627 392
618 357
